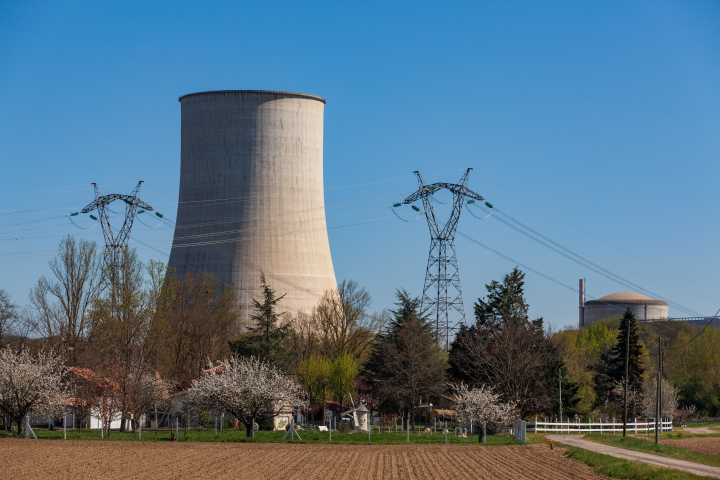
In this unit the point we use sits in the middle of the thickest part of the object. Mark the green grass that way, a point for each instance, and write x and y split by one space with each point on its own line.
308 436
617 468
642 445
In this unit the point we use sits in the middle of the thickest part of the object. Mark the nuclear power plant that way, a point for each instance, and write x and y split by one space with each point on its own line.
614 305
251 195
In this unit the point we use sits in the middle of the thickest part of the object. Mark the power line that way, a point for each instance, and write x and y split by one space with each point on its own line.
595 236
572 256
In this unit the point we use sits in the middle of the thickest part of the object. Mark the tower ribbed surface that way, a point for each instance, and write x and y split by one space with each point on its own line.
251 195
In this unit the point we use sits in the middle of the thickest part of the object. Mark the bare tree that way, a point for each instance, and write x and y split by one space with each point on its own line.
342 322
61 304
197 318
9 319
87 387
513 361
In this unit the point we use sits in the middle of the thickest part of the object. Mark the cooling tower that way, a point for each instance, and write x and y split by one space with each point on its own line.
251 195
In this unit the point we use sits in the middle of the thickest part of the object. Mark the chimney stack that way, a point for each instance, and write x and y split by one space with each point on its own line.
581 323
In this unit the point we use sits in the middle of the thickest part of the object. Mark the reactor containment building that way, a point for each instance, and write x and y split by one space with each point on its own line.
251 195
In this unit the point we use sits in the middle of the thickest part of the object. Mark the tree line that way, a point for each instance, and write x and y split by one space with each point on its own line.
148 332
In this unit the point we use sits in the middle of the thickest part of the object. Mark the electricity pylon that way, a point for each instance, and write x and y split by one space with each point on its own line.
114 243
442 290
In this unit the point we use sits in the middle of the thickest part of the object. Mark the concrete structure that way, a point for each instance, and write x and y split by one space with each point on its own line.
581 322
644 307
251 194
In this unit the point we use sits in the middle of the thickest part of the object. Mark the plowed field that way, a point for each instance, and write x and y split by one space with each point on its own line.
707 445
21 458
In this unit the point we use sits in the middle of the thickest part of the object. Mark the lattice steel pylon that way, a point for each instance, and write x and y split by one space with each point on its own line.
114 243
442 274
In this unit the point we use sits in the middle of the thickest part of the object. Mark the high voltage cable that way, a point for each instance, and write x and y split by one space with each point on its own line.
565 252
530 269
51 192
218 242
55 207
596 237
568 250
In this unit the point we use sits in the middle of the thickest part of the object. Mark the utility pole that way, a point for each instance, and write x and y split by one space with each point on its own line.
560 391
627 373
658 423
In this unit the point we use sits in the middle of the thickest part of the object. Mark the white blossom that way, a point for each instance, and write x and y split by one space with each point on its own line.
247 388
479 405
30 385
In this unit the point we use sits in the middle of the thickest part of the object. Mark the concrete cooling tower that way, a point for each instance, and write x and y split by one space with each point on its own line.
251 194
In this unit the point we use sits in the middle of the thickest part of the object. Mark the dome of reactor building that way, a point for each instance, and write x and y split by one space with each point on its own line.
251 195
615 304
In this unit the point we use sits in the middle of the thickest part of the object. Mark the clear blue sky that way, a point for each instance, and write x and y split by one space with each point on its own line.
591 122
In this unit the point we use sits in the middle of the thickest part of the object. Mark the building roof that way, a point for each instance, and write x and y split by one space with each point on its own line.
268 92
627 297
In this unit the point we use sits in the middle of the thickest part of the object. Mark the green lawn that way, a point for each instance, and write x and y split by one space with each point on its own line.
617 468
308 436
643 445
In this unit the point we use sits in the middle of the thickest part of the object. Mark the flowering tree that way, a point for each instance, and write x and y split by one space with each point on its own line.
30 385
669 398
479 405
247 388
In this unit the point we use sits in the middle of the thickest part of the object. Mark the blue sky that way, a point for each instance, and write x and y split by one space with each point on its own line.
596 124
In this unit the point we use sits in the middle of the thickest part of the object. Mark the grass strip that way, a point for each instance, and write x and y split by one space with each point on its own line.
308 437
618 468
642 445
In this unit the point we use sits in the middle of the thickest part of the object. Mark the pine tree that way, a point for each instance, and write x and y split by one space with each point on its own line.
406 364
610 367
265 338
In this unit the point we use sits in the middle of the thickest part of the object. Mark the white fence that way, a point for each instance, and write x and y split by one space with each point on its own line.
638 426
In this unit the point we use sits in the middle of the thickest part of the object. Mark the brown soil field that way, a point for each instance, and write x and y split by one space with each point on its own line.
79 459
707 445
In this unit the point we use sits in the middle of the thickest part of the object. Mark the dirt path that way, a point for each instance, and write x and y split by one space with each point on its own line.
699 430
660 461
79 459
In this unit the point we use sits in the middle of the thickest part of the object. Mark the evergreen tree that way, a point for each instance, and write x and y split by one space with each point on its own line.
265 338
570 389
610 367
505 304
405 365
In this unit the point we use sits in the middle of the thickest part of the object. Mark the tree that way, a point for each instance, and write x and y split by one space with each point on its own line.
610 367
9 319
478 405
265 338
406 364
669 398
196 317
580 349
125 333
248 388
570 389
506 350
61 304
314 375
30 385
342 377
505 304
342 322
86 388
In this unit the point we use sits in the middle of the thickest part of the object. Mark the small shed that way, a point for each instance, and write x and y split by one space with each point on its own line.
362 418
